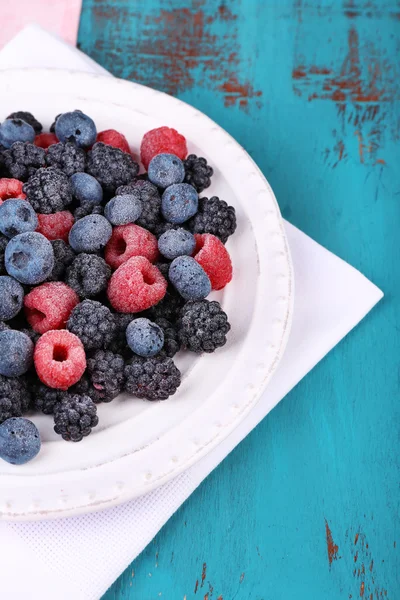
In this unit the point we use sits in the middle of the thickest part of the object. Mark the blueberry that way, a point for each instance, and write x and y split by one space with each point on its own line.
15 130
176 242
90 234
11 297
16 353
179 202
189 278
86 188
76 127
144 337
165 170
17 216
125 209
19 441
29 257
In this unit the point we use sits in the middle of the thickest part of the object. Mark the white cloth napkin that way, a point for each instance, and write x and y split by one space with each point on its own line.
80 557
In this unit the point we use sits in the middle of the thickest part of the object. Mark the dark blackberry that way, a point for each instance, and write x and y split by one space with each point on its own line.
197 172
84 387
75 417
3 244
88 209
28 118
23 160
169 307
154 378
3 326
93 323
33 335
67 157
48 191
106 373
171 340
15 397
53 125
45 398
111 166
202 326
214 216
63 257
118 343
88 275
163 226
151 201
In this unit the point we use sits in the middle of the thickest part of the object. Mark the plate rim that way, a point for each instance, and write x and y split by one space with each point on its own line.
34 512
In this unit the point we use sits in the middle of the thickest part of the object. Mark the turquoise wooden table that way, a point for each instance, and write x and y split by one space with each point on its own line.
307 507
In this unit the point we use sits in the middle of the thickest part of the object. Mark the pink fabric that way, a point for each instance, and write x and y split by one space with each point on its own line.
58 16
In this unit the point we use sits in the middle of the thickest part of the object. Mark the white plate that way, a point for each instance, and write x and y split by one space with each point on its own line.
140 445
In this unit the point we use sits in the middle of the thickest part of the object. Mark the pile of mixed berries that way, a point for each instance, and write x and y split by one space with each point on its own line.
104 271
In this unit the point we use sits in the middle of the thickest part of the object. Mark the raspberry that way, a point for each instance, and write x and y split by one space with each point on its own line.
15 397
23 159
202 326
28 118
74 417
111 167
59 359
197 172
49 305
63 257
212 255
48 191
106 373
44 140
111 137
154 378
136 285
11 188
162 140
93 323
88 275
214 216
45 398
127 241
67 157
56 226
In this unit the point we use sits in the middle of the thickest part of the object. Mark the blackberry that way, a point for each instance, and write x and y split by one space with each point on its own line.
93 323
84 387
214 216
67 157
31 333
111 166
202 326
154 378
53 125
14 397
197 172
106 373
88 209
88 275
163 226
45 398
171 340
28 118
151 203
169 307
3 326
3 244
118 343
74 417
23 160
63 257
48 191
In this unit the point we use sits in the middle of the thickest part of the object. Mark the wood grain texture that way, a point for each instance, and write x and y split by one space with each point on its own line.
307 506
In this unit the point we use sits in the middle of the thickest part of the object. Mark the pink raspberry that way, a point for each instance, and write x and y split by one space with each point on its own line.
212 255
59 359
56 226
49 305
111 137
11 188
160 140
127 241
136 285
44 140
